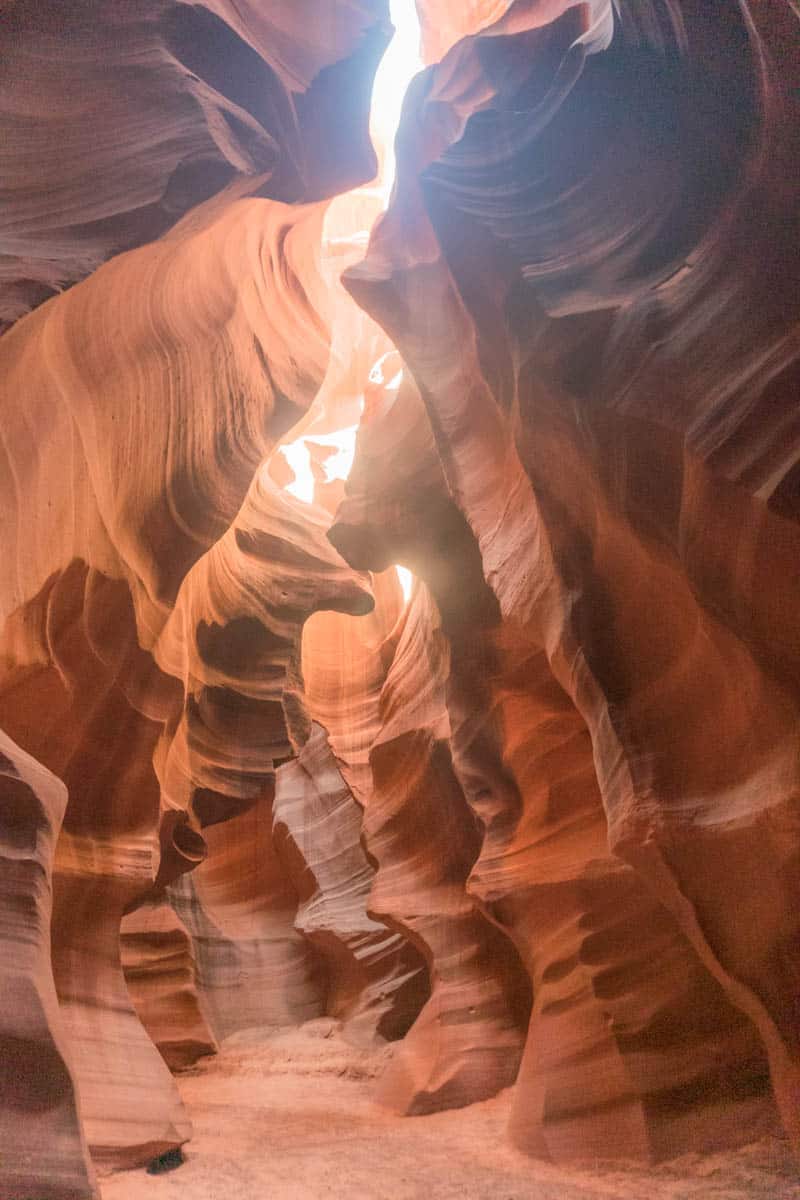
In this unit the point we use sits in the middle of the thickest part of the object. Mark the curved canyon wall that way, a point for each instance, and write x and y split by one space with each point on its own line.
527 806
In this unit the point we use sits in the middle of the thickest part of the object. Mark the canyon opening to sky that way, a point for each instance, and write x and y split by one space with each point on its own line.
347 218
399 653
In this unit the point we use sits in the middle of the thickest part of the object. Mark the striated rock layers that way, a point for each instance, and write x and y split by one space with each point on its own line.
527 806
580 268
118 118
44 1150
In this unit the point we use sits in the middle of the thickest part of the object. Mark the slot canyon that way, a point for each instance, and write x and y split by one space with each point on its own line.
399 599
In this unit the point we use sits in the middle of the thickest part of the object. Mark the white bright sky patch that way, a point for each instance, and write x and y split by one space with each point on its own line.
335 466
377 373
399 65
406 581
299 459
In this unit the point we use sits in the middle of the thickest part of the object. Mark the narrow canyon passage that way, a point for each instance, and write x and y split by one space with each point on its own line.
290 1113
399 604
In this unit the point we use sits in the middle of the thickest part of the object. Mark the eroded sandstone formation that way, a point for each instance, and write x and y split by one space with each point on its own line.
530 811
599 436
160 973
44 1148
376 980
119 118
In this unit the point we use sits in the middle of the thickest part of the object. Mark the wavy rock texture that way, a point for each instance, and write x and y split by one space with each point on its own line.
157 578
117 119
445 22
607 461
44 1151
253 967
130 1105
344 662
586 928
97 565
149 622
103 863
633 1049
159 968
376 982
467 1041
466 1044
544 806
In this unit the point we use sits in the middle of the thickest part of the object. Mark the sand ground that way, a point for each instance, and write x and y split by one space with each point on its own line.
288 1116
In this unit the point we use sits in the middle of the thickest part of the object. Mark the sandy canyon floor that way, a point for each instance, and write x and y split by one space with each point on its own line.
288 1116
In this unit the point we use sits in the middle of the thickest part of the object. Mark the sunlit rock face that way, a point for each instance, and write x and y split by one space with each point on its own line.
400 628
445 22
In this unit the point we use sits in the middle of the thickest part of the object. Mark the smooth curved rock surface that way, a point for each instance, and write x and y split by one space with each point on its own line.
43 1144
376 982
117 119
105 852
160 974
621 1058
239 906
593 439
467 1042
130 1106
549 783
445 22
121 651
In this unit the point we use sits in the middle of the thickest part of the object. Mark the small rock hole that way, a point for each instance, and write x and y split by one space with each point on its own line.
167 1161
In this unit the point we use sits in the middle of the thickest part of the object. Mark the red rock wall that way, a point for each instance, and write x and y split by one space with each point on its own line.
161 977
134 433
375 981
240 906
620 1058
598 433
44 1148
118 119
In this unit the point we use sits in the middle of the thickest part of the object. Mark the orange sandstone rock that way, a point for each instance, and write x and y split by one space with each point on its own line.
43 1144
